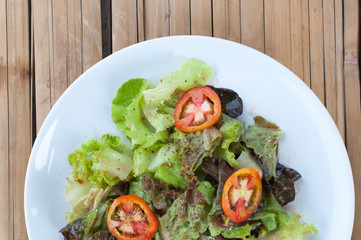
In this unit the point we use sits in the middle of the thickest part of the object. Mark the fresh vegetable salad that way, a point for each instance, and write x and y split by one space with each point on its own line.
192 170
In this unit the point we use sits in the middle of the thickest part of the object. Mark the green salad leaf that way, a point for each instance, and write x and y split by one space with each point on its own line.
231 131
207 191
262 138
184 221
97 166
246 160
171 174
127 114
278 223
237 232
136 188
157 105
195 146
91 224
192 73
143 157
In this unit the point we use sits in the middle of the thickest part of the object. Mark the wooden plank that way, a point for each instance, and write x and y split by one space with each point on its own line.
179 17
6 226
156 19
234 21
19 113
92 33
317 49
252 24
227 19
277 30
330 57
296 37
75 64
124 23
340 88
32 78
59 81
201 17
352 94
220 12
306 43
42 28
140 17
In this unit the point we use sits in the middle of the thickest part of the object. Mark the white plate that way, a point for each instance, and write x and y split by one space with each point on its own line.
311 144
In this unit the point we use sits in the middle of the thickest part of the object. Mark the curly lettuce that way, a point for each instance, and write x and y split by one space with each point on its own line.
89 226
98 165
262 138
279 224
231 131
126 113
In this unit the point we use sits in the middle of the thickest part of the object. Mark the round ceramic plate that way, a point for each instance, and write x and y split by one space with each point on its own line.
311 144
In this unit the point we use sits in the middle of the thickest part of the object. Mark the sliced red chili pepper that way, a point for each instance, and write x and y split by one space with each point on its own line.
242 194
129 217
198 108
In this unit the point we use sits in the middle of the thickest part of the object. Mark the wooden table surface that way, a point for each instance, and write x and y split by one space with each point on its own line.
46 44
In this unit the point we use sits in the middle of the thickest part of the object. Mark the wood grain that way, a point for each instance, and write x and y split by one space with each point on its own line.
306 43
317 49
201 17
352 93
277 30
179 18
330 57
156 19
252 24
140 19
340 99
92 40
220 14
59 82
20 138
296 38
75 38
6 225
124 23
42 27
227 19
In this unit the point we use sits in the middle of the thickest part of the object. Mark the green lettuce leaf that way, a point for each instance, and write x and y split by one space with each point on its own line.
143 157
136 188
231 131
157 236
127 114
161 194
246 160
88 225
193 147
184 221
237 232
272 213
110 166
263 138
98 165
156 105
268 219
192 73
207 190
171 174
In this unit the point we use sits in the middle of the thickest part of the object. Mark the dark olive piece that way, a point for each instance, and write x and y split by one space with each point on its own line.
232 104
